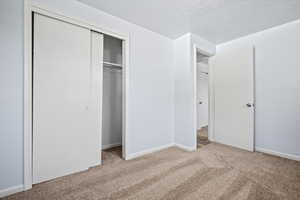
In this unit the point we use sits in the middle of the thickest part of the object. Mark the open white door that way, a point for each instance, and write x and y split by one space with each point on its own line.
233 71
67 88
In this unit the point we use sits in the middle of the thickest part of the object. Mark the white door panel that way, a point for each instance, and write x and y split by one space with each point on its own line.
233 68
66 119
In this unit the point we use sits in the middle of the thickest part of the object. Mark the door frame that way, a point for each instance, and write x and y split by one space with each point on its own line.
30 8
211 122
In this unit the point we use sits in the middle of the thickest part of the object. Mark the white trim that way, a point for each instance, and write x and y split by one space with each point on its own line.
233 145
108 146
148 151
186 148
125 96
254 97
194 75
79 22
276 153
28 9
153 150
11 190
252 113
211 103
27 113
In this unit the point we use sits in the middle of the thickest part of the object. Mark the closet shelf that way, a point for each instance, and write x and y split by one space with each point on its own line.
112 64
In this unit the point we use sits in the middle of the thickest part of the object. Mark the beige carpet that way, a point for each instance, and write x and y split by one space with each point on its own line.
111 155
202 137
212 172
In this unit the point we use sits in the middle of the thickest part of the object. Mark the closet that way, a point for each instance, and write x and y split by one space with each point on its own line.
112 93
76 97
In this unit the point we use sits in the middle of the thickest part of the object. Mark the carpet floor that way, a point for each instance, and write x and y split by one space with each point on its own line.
202 137
214 171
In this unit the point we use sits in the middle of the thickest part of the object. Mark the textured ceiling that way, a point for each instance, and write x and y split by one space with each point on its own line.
215 20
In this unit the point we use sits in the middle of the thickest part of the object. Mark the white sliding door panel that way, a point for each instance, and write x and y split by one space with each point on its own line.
233 68
66 125
97 84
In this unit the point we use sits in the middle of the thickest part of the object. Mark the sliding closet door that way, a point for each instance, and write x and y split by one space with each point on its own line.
66 87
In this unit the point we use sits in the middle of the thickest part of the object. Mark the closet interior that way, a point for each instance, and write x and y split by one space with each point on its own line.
112 97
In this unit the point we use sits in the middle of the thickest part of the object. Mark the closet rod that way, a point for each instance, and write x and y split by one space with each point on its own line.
112 64
112 67
204 72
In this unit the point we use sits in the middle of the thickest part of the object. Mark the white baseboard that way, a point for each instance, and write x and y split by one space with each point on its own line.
108 146
275 153
144 152
235 146
186 148
11 190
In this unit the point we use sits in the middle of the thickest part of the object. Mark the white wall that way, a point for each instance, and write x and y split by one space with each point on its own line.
185 89
183 93
11 90
277 88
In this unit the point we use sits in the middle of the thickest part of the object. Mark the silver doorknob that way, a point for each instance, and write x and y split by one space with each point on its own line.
200 102
249 105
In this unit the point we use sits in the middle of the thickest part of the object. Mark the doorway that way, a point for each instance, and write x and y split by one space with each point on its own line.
112 122
202 90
